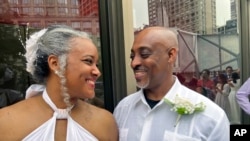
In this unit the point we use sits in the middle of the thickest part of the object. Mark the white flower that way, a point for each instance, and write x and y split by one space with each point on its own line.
183 106
31 49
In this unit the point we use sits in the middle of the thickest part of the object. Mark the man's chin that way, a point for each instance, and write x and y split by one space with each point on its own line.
142 85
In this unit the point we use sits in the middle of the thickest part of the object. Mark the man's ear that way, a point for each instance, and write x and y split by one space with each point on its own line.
172 54
53 62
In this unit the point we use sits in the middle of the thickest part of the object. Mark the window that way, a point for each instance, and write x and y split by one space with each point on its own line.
38 2
14 30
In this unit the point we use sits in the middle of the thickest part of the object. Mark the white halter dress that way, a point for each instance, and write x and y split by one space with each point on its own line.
46 131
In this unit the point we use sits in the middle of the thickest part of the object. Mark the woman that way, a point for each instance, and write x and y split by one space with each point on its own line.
222 93
234 84
65 61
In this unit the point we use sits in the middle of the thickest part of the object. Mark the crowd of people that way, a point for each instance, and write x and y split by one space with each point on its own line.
220 87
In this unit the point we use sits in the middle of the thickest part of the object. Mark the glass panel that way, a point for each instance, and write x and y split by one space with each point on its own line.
20 18
207 33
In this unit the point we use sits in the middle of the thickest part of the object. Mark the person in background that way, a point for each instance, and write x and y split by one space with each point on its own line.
65 62
190 81
229 71
215 77
152 112
243 95
206 85
181 78
8 94
234 106
222 93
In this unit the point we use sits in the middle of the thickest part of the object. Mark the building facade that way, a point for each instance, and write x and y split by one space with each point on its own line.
234 9
79 14
230 27
197 16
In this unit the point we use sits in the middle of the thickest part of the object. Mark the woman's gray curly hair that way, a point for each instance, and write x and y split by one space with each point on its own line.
53 40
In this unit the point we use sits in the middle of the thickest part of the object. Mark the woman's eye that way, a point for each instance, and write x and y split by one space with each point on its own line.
89 61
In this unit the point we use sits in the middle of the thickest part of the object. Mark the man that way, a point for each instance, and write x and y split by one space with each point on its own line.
242 96
229 71
145 116
206 84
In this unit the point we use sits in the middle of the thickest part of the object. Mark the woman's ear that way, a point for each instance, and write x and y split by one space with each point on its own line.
53 62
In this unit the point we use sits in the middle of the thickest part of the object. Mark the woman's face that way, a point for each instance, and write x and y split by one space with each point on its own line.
81 69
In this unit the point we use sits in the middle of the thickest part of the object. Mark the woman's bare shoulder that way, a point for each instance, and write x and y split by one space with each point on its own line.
20 118
101 113
13 112
102 123
11 120
109 129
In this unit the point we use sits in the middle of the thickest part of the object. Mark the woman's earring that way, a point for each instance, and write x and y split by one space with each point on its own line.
56 72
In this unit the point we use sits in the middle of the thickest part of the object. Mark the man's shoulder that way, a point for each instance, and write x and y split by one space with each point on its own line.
212 110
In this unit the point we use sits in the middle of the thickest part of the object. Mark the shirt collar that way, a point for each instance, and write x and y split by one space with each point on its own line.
174 90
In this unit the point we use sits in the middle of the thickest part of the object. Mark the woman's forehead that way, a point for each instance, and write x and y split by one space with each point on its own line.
83 46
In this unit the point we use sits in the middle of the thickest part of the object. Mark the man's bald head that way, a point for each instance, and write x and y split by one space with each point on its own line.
158 35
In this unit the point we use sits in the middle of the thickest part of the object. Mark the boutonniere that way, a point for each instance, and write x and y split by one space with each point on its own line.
184 107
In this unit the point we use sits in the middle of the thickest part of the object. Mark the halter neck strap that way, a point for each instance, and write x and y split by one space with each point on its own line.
59 113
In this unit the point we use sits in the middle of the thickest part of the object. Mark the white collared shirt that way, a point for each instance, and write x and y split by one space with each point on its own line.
138 122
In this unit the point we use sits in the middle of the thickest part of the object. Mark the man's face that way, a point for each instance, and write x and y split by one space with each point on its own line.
149 61
229 70
205 75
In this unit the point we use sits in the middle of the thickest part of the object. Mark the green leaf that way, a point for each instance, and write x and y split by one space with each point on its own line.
181 110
